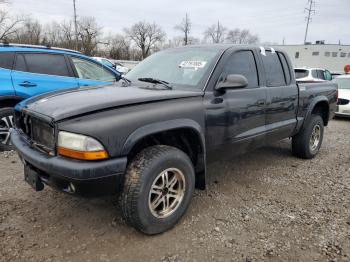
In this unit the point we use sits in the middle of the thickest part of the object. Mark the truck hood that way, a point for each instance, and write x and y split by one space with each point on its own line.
74 102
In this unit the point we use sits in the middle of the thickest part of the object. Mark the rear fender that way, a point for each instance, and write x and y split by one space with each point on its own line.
312 106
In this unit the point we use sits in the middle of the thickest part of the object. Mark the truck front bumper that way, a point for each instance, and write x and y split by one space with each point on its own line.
85 178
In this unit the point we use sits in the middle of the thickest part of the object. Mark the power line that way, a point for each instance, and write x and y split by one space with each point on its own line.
311 11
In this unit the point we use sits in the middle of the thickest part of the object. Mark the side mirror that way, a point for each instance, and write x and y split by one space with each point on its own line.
232 81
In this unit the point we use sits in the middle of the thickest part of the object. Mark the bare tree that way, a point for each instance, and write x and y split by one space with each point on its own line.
185 27
237 36
52 34
174 42
8 25
88 34
119 47
248 38
215 33
30 32
233 36
146 36
67 35
59 34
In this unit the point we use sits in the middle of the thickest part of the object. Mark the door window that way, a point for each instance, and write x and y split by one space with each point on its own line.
320 74
243 63
6 60
48 64
92 71
273 69
314 73
20 63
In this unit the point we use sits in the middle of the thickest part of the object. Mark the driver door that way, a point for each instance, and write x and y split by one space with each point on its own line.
236 117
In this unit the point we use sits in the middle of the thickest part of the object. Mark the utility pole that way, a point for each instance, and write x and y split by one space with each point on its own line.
310 10
218 33
75 26
186 29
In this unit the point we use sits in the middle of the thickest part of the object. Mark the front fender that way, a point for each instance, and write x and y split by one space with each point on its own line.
157 127
169 125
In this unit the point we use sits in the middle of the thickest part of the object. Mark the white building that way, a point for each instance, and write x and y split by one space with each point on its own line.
319 55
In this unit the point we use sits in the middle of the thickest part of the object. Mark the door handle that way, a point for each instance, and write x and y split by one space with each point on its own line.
27 84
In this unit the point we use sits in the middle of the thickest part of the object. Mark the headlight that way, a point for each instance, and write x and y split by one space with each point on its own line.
80 147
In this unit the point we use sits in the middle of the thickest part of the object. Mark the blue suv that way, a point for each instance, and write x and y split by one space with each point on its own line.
26 71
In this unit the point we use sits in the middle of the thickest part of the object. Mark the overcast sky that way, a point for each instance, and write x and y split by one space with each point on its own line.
272 20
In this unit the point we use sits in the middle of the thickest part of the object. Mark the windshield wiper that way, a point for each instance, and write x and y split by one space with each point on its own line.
156 81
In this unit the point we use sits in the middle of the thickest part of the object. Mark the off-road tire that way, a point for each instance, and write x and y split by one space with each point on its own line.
140 175
301 141
5 113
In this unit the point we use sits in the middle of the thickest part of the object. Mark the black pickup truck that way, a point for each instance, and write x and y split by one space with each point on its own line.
149 137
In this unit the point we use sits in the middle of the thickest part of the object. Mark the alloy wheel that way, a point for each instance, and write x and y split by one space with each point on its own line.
5 124
167 192
315 137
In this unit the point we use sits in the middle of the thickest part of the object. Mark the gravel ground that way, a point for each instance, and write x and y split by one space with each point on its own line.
264 206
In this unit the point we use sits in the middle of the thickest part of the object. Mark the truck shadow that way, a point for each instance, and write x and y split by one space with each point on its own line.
247 168
342 119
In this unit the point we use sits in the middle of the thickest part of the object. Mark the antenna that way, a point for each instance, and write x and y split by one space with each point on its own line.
311 11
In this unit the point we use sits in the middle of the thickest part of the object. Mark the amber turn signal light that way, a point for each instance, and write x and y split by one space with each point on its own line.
90 156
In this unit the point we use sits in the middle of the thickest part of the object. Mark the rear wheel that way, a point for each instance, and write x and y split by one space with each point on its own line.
6 122
158 189
308 141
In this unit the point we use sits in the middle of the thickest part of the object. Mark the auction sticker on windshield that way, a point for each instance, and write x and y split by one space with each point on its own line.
192 64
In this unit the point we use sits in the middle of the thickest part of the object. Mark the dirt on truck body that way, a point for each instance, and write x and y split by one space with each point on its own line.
264 206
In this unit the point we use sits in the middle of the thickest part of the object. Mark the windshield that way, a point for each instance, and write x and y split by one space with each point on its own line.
343 83
301 73
179 67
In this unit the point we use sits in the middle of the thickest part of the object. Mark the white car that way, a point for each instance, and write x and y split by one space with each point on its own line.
343 82
122 69
312 75
118 66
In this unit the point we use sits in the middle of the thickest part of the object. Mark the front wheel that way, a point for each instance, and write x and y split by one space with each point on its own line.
6 122
158 189
308 141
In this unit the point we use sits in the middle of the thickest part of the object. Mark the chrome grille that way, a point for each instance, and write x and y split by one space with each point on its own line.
38 132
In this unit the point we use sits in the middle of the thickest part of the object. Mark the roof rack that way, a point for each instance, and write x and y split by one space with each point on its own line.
5 44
